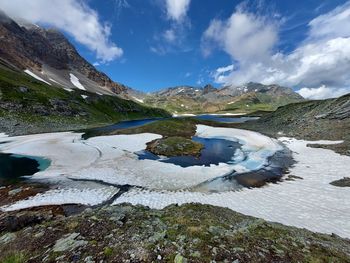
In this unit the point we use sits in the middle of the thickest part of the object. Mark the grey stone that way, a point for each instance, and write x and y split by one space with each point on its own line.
68 242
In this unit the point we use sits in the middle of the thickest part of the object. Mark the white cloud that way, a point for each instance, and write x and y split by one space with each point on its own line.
322 92
244 36
73 17
221 73
323 58
177 9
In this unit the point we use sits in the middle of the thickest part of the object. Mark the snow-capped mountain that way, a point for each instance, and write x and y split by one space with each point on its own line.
209 99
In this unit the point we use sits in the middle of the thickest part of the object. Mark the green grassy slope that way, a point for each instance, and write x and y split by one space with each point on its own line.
26 103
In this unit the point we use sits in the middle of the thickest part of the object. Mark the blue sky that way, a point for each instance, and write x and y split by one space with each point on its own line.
153 44
136 27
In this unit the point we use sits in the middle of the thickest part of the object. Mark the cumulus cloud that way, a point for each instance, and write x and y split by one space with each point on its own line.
73 17
322 92
323 58
177 9
244 36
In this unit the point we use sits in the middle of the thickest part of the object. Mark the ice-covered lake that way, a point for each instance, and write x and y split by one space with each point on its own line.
309 202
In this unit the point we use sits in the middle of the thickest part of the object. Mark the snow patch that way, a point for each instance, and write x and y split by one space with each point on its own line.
138 100
36 76
75 81
84 96
65 196
54 81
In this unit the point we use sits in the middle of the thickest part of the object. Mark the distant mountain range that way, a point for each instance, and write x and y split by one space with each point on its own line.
247 98
47 56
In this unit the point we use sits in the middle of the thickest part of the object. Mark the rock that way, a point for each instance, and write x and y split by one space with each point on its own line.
68 242
15 191
23 89
7 238
215 230
89 260
196 254
180 259
344 182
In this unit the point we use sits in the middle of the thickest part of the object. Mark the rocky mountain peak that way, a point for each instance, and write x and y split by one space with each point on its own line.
28 46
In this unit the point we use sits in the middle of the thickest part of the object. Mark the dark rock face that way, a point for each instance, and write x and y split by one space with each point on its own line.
208 88
32 46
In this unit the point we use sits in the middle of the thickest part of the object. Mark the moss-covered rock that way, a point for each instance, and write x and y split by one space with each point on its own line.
344 182
174 146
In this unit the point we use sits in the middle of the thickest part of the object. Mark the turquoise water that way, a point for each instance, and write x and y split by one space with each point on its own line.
14 166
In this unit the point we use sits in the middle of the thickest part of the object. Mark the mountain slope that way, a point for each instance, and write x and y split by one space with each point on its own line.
246 98
313 120
47 54
28 105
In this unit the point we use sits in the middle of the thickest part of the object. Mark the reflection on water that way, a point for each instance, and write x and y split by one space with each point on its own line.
215 151
221 118
13 166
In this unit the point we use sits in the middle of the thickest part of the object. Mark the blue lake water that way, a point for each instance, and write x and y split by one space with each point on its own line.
225 119
215 151
117 126
13 166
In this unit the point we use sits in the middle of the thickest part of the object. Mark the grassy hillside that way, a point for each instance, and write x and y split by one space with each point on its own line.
28 105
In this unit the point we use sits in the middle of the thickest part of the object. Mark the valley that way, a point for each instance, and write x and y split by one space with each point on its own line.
92 170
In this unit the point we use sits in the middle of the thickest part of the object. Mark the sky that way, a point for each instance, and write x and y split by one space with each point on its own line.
153 44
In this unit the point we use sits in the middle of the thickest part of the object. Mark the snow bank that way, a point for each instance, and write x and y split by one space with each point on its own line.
138 100
256 147
65 196
75 81
54 81
36 76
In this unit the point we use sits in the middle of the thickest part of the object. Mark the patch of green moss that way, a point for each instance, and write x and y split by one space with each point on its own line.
175 146
15 257
181 127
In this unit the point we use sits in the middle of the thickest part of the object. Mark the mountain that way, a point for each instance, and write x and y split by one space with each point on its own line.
47 55
246 98
45 85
